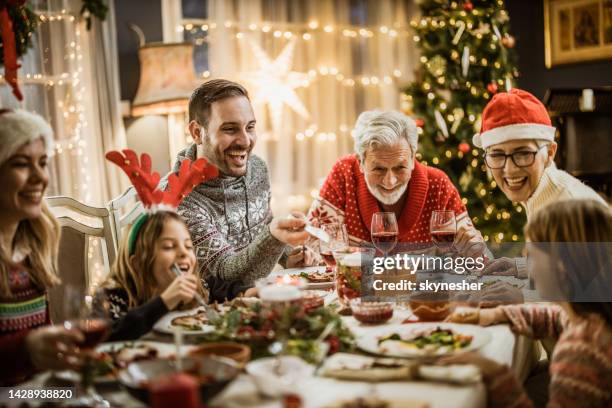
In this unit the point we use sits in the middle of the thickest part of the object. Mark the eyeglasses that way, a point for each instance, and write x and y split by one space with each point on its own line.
520 159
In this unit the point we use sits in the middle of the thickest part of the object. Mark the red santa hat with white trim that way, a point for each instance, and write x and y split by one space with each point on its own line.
514 115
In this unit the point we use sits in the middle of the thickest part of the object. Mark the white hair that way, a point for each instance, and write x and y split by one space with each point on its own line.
376 128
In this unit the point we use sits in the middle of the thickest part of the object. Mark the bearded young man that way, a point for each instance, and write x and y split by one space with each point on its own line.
229 218
383 175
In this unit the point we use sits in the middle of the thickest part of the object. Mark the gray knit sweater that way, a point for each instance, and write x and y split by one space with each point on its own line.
228 219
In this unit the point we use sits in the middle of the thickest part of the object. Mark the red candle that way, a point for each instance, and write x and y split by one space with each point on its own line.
175 390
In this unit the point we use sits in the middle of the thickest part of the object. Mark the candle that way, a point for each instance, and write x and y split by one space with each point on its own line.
279 293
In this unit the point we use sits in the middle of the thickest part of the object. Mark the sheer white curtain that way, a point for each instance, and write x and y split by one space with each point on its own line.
355 55
70 77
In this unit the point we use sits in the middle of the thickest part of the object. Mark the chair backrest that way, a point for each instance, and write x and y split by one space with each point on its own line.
123 211
79 222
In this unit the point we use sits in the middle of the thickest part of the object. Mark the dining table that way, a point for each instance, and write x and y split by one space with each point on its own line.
505 347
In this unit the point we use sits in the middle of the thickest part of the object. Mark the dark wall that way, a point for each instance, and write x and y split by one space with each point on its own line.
527 25
146 14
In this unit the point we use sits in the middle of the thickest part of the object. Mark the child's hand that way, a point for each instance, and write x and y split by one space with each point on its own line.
182 289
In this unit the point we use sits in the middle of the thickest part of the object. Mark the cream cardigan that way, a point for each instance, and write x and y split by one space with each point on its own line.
558 185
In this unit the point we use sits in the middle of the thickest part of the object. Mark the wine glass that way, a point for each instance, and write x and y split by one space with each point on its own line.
338 240
88 313
443 229
384 231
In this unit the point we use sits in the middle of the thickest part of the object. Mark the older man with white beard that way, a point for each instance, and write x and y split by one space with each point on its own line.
383 175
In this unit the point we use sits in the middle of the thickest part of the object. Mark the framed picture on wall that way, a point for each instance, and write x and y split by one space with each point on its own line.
577 31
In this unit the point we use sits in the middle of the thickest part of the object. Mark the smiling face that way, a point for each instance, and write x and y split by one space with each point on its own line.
519 183
230 136
173 246
387 171
24 178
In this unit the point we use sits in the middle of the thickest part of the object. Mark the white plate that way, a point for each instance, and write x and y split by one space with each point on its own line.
164 325
369 341
309 269
164 350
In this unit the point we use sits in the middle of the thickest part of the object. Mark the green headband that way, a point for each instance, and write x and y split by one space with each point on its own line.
135 231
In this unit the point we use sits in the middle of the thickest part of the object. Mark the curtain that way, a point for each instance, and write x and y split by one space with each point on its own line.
349 56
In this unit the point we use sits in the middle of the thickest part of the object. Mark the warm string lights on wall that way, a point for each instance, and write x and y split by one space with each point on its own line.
305 31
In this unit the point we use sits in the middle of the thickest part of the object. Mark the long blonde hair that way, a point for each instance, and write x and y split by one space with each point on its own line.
575 222
135 275
41 237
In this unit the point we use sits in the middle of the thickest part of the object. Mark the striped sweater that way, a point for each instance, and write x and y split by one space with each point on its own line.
23 311
580 365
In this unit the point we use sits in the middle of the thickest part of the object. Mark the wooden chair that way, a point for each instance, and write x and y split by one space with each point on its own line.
123 211
79 222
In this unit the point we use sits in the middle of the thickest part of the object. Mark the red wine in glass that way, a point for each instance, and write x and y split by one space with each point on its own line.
384 241
95 330
384 231
443 229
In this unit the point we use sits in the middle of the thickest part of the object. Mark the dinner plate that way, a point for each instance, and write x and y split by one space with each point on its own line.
164 351
368 341
308 270
164 325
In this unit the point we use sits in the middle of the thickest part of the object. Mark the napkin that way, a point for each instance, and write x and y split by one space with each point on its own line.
355 367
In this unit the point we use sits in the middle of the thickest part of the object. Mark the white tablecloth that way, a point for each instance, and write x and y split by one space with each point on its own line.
317 392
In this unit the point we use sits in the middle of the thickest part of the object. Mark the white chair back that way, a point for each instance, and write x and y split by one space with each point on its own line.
123 211
78 222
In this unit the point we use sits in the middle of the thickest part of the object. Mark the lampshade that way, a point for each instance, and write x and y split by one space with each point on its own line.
167 79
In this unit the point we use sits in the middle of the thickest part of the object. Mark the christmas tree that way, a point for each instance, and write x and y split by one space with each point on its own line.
467 56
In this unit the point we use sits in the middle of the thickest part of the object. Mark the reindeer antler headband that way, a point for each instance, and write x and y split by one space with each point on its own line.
146 183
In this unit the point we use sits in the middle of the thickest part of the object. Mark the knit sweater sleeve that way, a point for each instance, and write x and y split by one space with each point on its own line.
333 189
217 257
130 324
536 321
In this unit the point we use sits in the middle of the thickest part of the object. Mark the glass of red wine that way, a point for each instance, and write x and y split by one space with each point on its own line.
338 241
384 231
89 314
443 229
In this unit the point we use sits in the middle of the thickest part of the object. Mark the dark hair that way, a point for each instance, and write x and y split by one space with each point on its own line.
577 221
208 93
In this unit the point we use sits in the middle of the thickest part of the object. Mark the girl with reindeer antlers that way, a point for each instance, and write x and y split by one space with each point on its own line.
144 283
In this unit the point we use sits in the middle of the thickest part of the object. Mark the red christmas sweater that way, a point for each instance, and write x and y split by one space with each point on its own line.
345 198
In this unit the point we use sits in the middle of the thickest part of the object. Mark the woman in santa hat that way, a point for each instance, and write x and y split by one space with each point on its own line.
29 237
518 139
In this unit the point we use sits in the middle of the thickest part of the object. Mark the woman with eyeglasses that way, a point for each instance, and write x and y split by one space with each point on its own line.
518 140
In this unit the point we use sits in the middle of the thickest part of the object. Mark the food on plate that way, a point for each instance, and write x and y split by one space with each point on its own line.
190 322
431 341
318 277
108 363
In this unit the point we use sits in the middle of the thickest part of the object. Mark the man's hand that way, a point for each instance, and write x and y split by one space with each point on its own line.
501 266
469 242
301 256
290 230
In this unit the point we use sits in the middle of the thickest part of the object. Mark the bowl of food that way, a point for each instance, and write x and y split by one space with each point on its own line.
240 353
430 306
371 312
213 374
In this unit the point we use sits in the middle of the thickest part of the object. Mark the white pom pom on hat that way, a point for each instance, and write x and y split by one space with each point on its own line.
19 127
514 115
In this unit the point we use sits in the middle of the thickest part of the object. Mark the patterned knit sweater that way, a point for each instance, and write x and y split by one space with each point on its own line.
23 311
581 362
345 198
228 218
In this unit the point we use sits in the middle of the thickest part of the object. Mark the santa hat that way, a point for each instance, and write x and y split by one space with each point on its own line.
19 127
514 115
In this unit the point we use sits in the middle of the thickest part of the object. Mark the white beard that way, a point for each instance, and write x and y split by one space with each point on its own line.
386 198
